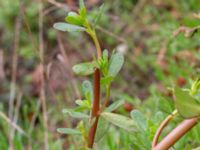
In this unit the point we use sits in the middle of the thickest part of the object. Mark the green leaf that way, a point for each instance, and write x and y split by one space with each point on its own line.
139 118
105 54
68 131
82 10
84 69
187 106
103 63
120 121
102 129
116 63
83 103
74 18
68 27
195 87
114 105
87 90
106 80
75 114
98 17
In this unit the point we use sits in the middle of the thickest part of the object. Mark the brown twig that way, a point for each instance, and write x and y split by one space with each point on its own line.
176 134
2 71
95 108
42 90
59 5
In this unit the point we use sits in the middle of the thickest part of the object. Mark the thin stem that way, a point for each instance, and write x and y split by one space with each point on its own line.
96 42
176 134
93 35
162 126
42 77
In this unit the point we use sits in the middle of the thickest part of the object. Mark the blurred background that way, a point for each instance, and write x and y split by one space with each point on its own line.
37 82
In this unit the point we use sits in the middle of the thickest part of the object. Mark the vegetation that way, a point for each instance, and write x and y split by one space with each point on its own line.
153 103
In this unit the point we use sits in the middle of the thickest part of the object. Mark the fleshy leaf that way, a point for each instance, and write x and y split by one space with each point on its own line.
139 118
87 90
82 10
84 69
68 131
74 113
106 80
74 18
83 103
98 17
187 106
120 121
68 27
195 87
102 129
116 63
114 105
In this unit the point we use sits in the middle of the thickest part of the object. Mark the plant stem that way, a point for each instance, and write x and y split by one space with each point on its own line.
176 134
95 108
93 35
162 126
96 93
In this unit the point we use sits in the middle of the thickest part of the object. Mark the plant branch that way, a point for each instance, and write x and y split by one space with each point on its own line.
176 134
96 42
42 77
95 108
162 126
96 91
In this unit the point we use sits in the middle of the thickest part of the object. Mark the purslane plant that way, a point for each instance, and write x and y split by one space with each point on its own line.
188 107
93 112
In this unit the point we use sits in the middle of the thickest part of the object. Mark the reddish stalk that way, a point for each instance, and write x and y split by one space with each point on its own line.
176 134
95 108
162 126
159 131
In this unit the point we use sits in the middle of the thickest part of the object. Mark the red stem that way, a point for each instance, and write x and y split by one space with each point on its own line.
176 134
160 129
95 108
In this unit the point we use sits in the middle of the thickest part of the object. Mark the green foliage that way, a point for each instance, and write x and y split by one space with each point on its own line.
68 27
116 63
115 105
75 114
99 14
187 106
195 87
106 80
87 90
102 129
140 120
84 69
120 121
145 37
74 18
68 131
84 104
82 9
